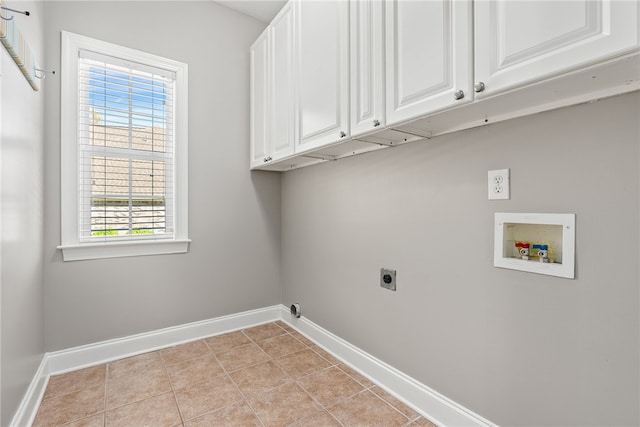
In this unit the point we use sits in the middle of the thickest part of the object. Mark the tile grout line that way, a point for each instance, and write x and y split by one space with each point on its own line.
245 400
106 378
131 402
227 373
182 416
165 368
173 391
272 359
332 364
273 388
392 406
324 408
295 381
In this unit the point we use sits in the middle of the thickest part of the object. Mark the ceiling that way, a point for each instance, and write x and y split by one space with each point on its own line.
264 10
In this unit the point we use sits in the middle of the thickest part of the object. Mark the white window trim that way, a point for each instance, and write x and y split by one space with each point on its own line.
71 247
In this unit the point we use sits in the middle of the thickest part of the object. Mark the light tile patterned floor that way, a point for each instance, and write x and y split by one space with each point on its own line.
269 375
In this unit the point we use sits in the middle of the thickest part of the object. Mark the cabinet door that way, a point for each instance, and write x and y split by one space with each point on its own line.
283 112
367 65
323 72
518 42
260 87
428 50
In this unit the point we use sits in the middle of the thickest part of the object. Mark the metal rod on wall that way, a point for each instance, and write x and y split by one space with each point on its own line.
24 12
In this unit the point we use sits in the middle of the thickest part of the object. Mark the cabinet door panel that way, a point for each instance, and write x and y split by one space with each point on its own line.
526 41
259 78
367 65
428 49
322 52
283 111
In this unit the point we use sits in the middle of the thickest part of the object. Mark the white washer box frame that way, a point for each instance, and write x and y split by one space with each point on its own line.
568 222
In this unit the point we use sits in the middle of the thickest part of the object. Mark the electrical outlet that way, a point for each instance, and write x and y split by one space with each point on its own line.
388 279
499 188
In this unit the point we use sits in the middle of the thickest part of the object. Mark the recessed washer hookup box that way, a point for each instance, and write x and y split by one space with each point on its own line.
542 243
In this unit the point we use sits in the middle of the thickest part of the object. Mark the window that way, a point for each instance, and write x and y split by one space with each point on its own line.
124 151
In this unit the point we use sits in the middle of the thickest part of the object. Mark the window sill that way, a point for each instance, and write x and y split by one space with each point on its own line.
123 249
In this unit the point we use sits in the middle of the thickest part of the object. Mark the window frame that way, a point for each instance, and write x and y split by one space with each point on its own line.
71 245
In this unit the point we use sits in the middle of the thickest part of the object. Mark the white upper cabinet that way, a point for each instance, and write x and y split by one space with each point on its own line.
428 51
260 98
322 54
272 91
519 42
375 73
282 82
367 65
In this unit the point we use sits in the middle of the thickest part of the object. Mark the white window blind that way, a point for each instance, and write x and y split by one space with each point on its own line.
126 150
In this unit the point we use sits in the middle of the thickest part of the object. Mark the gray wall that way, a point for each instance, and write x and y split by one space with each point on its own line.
21 151
234 216
517 348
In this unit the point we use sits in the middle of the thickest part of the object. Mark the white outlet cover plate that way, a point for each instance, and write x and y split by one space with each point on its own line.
498 184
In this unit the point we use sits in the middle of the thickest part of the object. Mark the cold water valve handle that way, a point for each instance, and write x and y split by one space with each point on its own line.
543 252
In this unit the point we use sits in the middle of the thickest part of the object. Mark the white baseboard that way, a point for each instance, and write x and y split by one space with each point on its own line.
428 402
26 413
106 351
95 354
423 399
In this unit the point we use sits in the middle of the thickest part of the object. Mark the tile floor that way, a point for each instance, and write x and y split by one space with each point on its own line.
269 375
